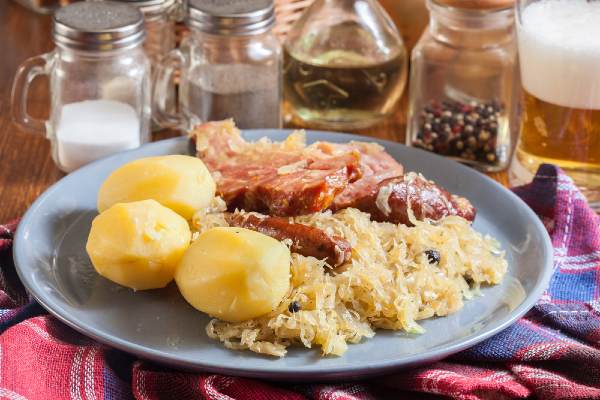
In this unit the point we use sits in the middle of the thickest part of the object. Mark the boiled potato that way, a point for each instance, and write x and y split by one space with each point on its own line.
181 183
234 274
138 244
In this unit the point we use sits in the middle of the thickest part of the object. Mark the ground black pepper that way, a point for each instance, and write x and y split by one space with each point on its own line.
294 307
457 129
433 256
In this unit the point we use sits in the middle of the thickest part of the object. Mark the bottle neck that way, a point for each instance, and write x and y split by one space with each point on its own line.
470 28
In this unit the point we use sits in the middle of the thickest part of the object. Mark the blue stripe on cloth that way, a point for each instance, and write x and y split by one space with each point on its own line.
505 345
117 375
579 320
33 309
573 287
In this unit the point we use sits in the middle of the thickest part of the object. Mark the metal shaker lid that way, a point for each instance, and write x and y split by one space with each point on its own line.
231 17
98 26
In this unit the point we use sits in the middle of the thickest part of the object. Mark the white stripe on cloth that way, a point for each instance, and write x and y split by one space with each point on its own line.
594 255
578 262
88 374
335 392
579 267
209 386
9 394
37 329
552 381
74 381
499 377
544 351
434 378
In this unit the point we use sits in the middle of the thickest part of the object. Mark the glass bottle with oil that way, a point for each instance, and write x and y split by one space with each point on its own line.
345 65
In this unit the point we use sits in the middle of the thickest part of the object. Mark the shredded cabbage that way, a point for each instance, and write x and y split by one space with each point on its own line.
388 284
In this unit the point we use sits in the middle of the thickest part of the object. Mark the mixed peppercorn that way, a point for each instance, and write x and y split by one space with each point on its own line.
294 307
433 256
467 131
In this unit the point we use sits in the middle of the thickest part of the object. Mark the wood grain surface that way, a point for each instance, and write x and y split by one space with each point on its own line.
26 167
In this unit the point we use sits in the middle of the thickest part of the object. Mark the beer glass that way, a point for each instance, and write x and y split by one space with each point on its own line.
559 51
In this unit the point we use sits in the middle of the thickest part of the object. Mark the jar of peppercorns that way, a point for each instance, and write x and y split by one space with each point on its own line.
465 84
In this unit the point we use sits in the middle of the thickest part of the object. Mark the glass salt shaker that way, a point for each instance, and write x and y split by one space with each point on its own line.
229 67
99 84
465 85
345 65
159 22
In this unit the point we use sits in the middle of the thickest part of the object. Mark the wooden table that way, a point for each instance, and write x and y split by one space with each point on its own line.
26 168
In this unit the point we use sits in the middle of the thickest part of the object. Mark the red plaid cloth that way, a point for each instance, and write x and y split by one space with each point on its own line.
551 353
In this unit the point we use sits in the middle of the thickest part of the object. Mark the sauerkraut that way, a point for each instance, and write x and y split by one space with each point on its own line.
390 283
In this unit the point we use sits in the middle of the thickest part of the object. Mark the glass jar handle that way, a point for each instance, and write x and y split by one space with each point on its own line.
27 72
166 70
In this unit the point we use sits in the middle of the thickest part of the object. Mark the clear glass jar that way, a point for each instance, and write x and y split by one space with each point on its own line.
345 65
229 67
464 88
99 84
159 22
45 6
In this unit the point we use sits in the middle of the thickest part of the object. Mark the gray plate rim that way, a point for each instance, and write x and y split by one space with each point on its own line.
303 373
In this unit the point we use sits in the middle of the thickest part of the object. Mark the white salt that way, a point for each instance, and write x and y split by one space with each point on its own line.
559 50
92 129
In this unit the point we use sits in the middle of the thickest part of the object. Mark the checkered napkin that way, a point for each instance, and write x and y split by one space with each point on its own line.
551 353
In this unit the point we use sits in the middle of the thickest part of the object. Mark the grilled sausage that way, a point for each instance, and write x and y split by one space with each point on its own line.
306 240
391 199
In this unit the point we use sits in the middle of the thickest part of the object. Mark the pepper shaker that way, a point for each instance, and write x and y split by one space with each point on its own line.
229 66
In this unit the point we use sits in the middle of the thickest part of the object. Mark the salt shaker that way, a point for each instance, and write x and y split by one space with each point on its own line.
229 64
99 84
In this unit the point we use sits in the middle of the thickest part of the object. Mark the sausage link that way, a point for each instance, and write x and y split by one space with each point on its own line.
306 240
391 200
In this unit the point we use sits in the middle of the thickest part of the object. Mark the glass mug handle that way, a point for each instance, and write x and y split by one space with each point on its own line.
165 73
27 72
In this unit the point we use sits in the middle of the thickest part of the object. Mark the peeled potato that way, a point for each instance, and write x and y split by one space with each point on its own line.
234 274
182 183
138 244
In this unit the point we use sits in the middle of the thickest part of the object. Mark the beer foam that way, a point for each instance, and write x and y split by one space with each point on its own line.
559 51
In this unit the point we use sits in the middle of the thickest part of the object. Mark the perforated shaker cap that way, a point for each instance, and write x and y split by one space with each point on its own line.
231 17
98 25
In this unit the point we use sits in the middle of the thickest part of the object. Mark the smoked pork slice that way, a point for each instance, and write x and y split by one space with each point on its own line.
289 178
376 165
280 179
